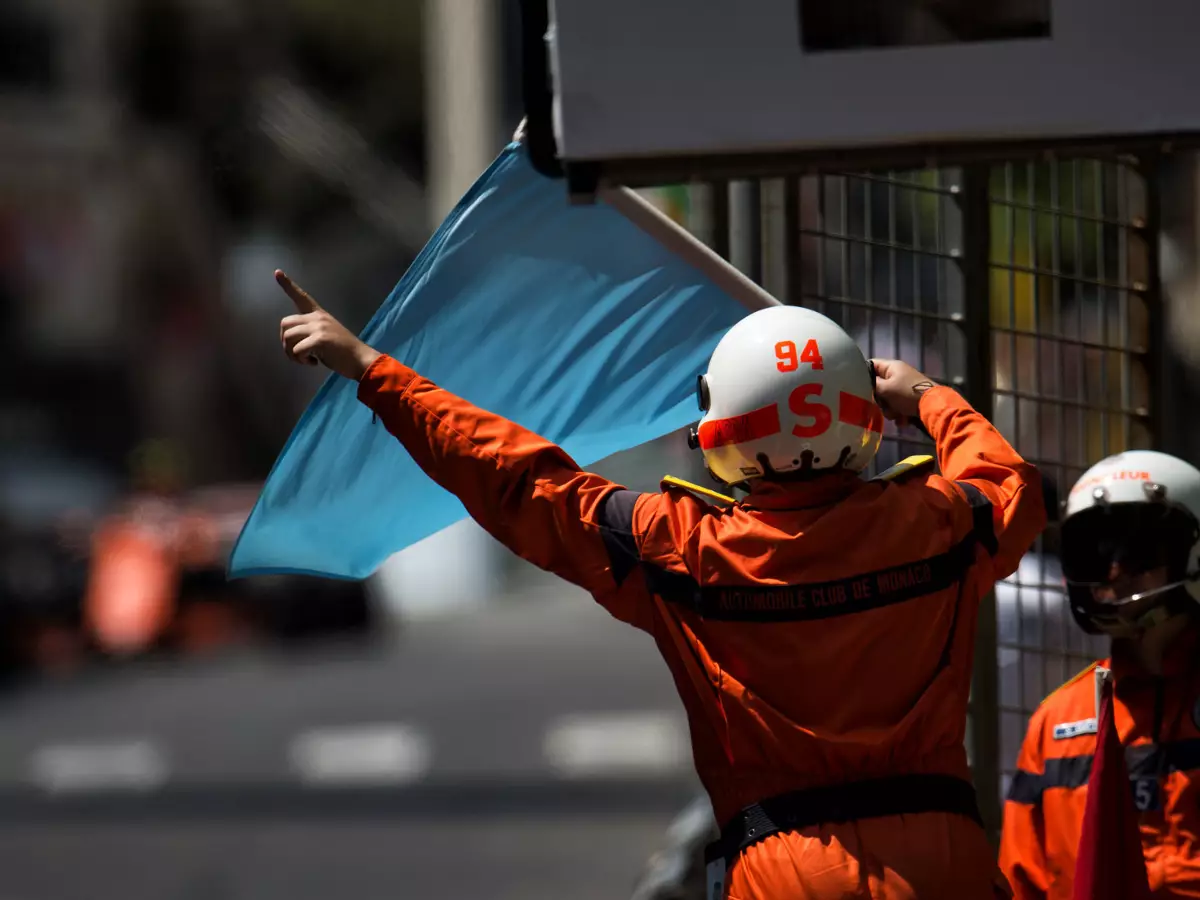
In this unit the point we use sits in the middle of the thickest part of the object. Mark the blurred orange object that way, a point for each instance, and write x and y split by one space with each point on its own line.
133 585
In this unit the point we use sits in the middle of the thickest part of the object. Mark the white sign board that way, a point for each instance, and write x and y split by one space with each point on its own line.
646 79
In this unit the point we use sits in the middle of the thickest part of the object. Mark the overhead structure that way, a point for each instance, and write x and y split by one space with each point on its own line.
643 92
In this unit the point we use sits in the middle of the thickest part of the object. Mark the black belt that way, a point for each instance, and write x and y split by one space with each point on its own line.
898 795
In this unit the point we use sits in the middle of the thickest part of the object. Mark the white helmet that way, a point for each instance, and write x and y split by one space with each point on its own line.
1137 510
786 390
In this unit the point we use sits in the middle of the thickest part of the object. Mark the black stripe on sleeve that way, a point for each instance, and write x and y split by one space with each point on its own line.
616 529
981 510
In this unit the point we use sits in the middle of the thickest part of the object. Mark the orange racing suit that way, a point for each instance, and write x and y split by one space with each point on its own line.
820 633
1158 721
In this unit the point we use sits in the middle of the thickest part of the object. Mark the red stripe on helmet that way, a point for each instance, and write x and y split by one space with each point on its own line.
854 410
760 423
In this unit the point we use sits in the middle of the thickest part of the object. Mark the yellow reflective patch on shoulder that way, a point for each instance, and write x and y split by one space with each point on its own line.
1074 678
696 489
905 466
1060 730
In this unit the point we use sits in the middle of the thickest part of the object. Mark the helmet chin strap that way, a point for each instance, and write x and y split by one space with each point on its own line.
1116 625
1154 592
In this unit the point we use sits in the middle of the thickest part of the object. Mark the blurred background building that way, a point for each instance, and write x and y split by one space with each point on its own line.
460 726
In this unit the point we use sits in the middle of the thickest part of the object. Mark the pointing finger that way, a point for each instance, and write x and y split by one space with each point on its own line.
304 303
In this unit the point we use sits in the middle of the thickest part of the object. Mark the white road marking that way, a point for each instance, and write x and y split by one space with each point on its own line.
635 743
99 766
382 753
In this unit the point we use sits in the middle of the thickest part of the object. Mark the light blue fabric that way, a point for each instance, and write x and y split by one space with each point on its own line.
566 319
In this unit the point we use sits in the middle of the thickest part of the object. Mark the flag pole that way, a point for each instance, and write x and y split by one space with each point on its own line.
680 241
687 246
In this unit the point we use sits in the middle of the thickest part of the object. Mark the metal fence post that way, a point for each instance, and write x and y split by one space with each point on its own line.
719 212
974 261
745 228
1171 226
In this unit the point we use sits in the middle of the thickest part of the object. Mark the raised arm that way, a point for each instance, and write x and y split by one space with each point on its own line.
523 489
971 450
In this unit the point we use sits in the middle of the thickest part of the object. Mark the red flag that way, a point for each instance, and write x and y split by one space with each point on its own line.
1110 865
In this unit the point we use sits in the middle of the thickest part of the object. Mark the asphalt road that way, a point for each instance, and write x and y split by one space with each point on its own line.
532 749
577 856
483 695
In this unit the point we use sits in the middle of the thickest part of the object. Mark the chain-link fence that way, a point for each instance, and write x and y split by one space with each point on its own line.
1027 286
1070 320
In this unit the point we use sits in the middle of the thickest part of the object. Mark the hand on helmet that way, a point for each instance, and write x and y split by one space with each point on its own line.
898 389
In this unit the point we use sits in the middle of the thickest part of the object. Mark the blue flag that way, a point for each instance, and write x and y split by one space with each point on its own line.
569 320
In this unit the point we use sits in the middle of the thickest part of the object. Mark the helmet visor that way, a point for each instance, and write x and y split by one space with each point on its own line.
1106 542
